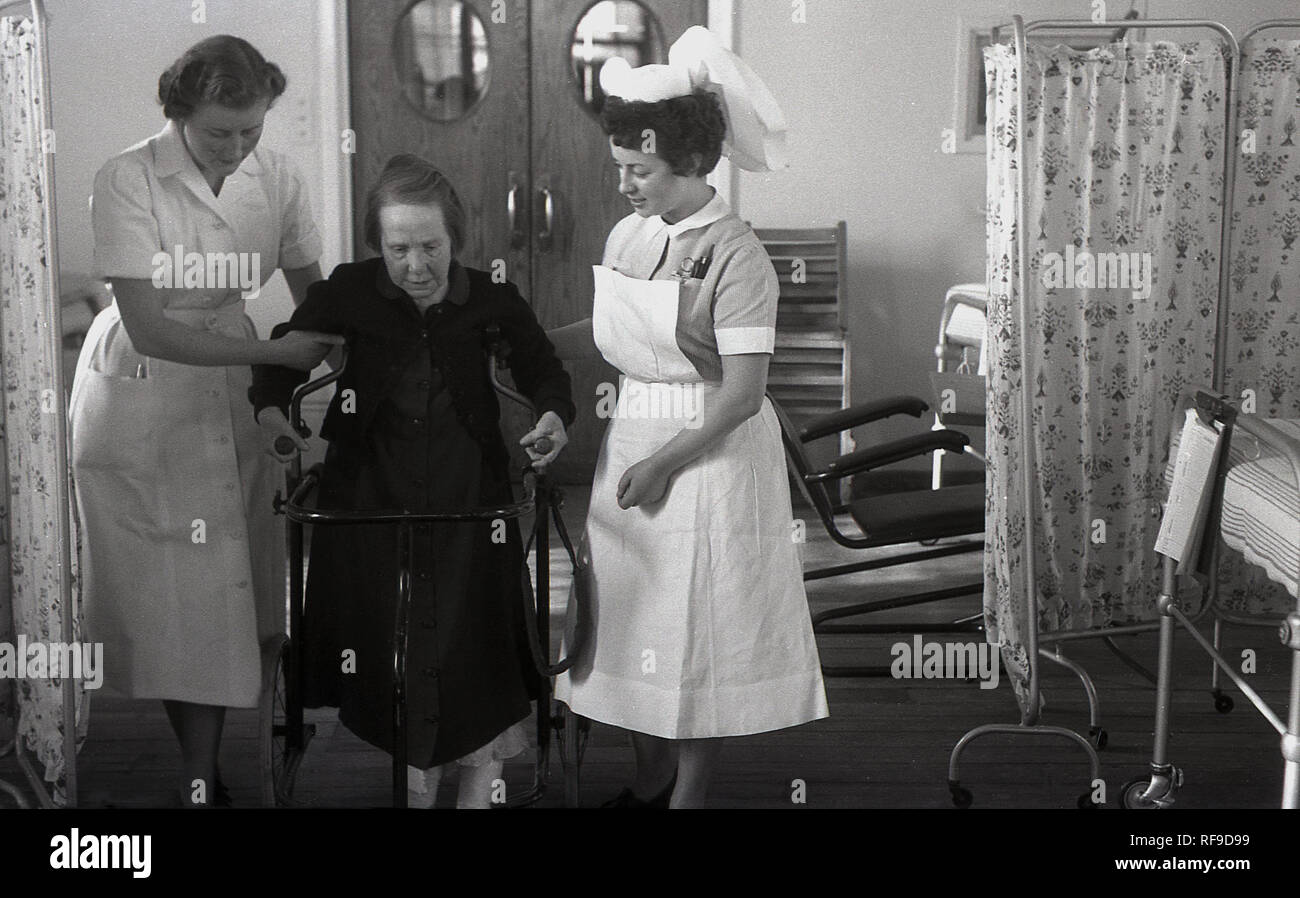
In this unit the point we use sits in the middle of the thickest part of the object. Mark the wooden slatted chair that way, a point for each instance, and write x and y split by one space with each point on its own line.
809 373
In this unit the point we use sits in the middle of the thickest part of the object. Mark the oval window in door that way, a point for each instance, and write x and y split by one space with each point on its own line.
607 29
441 52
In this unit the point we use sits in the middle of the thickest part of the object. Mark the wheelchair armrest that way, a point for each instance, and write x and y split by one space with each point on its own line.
888 453
863 413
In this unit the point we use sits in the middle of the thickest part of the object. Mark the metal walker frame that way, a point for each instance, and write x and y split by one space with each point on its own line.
284 735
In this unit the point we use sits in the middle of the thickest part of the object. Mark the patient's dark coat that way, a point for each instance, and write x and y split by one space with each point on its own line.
423 436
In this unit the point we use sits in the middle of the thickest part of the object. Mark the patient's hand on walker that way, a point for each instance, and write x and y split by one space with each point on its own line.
275 426
644 483
544 442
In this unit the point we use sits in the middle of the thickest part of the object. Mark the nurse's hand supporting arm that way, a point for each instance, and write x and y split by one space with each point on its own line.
744 384
154 334
574 341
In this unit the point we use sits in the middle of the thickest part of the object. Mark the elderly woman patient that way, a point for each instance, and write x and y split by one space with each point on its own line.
414 425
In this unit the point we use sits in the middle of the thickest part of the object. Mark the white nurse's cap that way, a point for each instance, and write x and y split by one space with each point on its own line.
755 126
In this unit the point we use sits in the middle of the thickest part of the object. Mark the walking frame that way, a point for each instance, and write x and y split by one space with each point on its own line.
285 735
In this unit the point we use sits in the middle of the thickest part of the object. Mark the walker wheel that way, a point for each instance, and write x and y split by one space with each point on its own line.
961 796
1098 737
1223 703
279 763
573 732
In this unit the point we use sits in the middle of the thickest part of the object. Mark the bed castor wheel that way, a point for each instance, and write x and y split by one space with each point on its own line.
1134 794
1223 703
1097 736
961 796
1131 796
1085 802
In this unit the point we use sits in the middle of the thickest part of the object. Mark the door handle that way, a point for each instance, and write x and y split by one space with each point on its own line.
512 212
545 238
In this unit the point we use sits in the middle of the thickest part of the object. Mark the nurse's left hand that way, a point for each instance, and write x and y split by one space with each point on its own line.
642 484
544 442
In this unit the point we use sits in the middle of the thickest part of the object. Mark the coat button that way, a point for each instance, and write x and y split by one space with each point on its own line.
418 481
431 718
431 672
424 335
424 575
417 421
423 385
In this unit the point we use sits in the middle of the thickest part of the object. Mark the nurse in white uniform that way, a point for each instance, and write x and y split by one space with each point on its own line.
183 559
701 625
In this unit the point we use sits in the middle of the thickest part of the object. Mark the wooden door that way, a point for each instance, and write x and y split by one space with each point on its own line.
571 160
477 135
524 127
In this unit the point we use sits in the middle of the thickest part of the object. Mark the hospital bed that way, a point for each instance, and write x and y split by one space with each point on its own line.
1254 504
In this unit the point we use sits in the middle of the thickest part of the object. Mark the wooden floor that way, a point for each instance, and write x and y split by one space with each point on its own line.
886 744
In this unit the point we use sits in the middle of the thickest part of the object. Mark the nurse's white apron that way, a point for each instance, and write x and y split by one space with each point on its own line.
699 622
183 558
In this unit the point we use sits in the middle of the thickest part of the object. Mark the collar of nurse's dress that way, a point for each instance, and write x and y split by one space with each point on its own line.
171 156
457 291
707 214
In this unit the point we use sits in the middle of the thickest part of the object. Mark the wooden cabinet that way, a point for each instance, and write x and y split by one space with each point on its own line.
515 137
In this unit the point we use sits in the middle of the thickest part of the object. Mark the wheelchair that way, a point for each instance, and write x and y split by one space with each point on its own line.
915 516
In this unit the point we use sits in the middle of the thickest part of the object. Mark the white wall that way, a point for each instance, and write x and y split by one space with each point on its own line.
105 59
867 87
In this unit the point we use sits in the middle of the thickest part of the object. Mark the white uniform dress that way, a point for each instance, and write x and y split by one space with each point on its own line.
700 625
183 559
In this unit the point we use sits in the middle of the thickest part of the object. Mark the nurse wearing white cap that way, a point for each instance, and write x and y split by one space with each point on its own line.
700 623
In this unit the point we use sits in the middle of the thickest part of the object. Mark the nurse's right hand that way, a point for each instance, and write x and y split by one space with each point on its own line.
304 350
275 426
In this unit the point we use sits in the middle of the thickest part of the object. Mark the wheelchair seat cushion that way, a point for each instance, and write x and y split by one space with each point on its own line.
921 514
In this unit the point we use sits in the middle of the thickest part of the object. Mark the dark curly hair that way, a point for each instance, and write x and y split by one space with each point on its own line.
682 126
409 180
222 69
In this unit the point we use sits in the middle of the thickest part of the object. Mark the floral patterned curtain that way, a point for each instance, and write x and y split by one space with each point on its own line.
1124 147
31 406
1263 352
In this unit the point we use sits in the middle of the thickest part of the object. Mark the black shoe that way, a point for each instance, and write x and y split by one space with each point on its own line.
626 799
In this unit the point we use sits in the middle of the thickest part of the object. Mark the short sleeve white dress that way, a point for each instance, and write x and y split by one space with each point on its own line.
183 558
701 624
